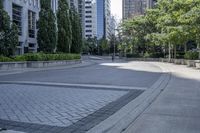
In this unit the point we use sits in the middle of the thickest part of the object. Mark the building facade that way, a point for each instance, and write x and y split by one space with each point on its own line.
90 29
132 8
103 19
24 13
151 3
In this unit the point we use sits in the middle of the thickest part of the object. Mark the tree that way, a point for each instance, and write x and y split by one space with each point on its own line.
76 32
46 35
104 46
64 27
8 34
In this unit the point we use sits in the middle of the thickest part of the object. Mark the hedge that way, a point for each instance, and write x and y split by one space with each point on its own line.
40 57
191 55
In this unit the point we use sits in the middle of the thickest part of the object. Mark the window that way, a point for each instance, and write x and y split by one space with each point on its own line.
17 17
89 36
31 45
37 3
88 26
88 2
88 11
88 16
87 7
88 21
31 24
88 31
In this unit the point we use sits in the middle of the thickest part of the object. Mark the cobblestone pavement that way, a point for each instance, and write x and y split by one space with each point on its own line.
53 106
37 108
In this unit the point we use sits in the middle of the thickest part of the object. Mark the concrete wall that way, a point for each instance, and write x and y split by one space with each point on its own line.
35 64
189 63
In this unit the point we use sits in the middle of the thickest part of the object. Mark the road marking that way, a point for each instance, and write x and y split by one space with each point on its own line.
74 85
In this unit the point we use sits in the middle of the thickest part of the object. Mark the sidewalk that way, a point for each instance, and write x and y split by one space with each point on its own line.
176 109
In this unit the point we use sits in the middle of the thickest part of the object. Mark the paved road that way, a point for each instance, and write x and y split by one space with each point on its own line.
43 108
122 74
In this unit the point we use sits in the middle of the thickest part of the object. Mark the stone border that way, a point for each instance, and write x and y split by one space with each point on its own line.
119 121
189 63
36 64
82 125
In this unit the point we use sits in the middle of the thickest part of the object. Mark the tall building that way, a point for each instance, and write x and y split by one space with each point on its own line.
151 3
103 19
132 8
90 29
81 11
24 14
79 7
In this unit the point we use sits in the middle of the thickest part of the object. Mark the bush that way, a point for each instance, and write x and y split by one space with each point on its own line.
180 55
191 55
41 57
135 55
5 59
153 55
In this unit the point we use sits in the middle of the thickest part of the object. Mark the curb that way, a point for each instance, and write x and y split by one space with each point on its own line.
129 113
17 71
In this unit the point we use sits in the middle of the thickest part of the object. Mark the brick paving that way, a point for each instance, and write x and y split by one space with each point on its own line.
51 105
32 108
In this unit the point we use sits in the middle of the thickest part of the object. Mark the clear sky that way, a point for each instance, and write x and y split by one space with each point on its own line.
116 9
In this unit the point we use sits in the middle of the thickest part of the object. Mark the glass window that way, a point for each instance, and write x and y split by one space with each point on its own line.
31 24
17 17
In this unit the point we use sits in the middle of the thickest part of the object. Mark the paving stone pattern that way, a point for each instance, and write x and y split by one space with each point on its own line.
51 105
54 109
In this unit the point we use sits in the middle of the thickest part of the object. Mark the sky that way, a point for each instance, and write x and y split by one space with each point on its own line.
116 9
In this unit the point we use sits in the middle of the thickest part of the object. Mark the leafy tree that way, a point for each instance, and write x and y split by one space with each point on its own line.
172 24
104 46
64 27
46 35
8 34
76 32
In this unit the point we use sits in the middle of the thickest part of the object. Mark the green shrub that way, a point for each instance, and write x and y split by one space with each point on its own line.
41 57
20 58
134 55
5 59
153 55
191 55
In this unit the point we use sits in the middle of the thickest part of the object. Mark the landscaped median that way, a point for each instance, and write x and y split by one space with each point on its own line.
38 60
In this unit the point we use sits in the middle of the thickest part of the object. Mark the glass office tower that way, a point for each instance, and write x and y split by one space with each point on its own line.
103 17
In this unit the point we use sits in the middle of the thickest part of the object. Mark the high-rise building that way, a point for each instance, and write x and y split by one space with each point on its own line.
103 19
132 8
151 3
24 14
90 19
81 11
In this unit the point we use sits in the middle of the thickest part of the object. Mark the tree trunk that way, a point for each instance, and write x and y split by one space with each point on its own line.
185 47
198 47
174 51
169 52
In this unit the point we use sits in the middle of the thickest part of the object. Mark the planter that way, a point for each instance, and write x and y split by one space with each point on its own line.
190 63
36 64
12 65
197 63
179 61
